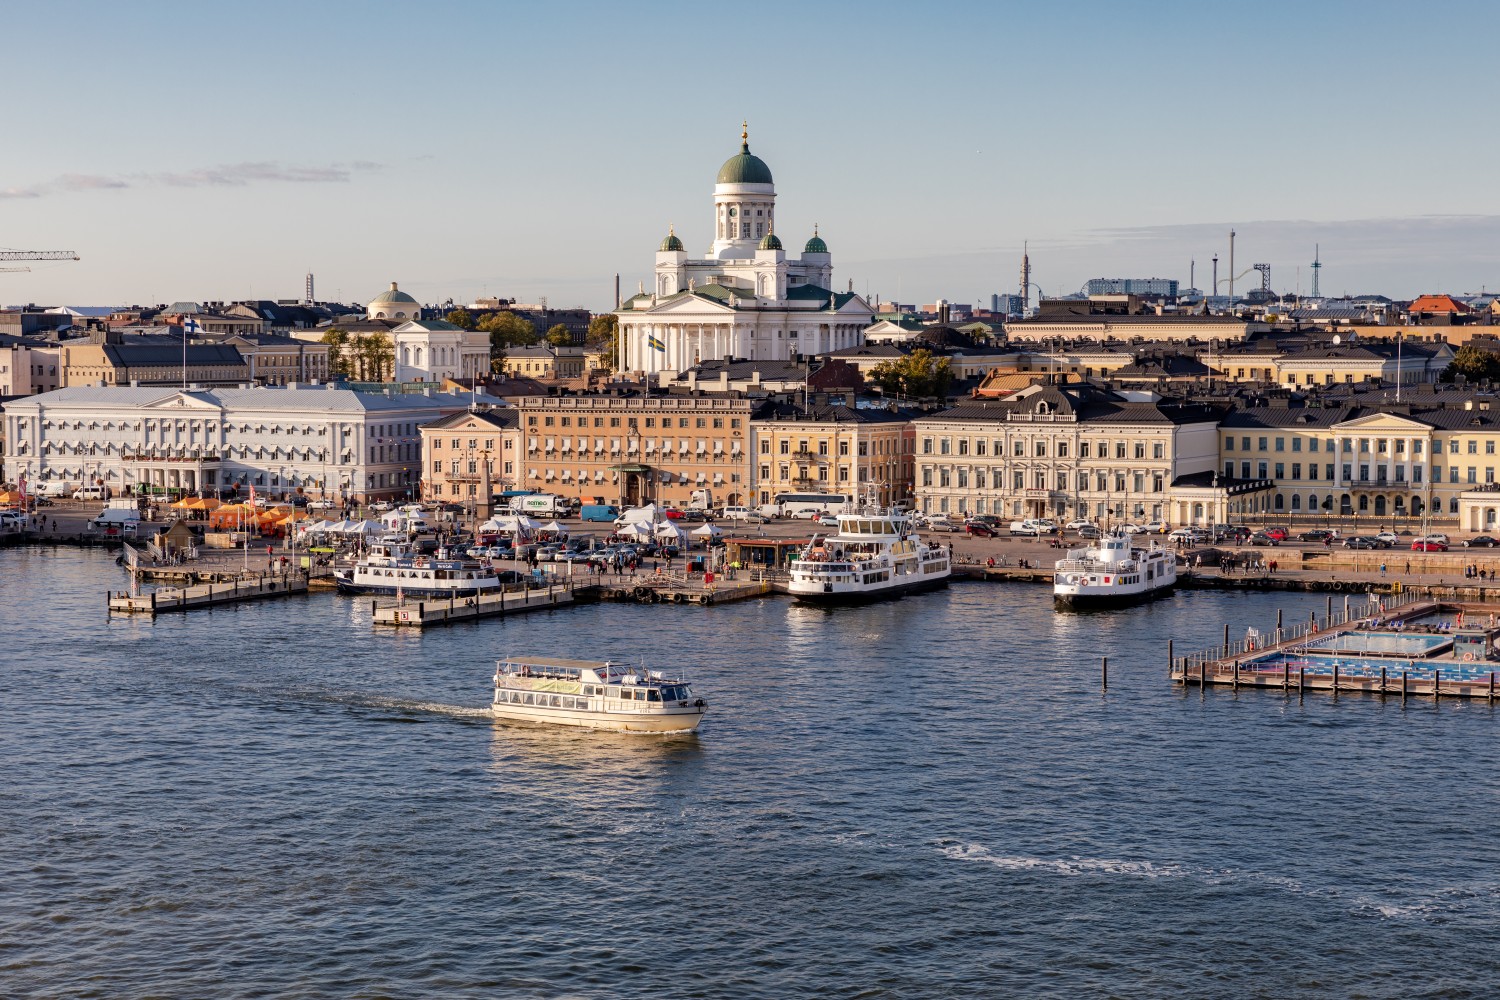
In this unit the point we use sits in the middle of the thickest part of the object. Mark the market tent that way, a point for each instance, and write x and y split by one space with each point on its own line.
10 496
636 531
366 528
707 531
205 503
554 527
649 514
490 526
186 503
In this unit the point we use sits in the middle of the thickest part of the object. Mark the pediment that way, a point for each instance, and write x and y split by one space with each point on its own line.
1371 422
687 305
181 400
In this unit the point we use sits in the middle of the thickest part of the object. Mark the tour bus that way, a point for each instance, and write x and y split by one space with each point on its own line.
808 504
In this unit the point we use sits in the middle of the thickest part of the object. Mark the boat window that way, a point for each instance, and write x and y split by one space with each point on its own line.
653 695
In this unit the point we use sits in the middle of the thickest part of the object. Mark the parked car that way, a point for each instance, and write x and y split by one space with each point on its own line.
1429 545
1318 535
1078 523
486 552
547 553
823 517
944 524
980 530
324 504
1482 542
382 505
1155 527
1131 529
1276 534
42 502
1180 535
1089 531
1262 538
672 513
1436 536
1363 542
1388 537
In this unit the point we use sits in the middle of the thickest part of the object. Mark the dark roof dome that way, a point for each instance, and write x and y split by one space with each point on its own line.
670 243
744 167
816 244
770 242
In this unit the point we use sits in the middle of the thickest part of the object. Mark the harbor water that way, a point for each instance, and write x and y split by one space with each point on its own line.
927 797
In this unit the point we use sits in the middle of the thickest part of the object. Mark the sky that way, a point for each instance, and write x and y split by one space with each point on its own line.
222 151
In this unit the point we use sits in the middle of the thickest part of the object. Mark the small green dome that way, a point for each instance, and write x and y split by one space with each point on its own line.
671 243
770 242
816 244
394 294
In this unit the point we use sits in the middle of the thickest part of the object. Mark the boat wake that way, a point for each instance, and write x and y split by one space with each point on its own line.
1063 866
413 709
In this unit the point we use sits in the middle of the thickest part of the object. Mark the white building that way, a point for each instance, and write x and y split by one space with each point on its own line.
430 350
28 366
326 441
393 303
746 299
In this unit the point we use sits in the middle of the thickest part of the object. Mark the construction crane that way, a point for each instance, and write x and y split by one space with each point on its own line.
38 255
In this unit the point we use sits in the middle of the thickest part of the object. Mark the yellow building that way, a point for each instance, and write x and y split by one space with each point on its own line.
865 455
454 448
634 446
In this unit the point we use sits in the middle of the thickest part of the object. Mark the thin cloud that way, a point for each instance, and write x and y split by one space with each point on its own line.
223 175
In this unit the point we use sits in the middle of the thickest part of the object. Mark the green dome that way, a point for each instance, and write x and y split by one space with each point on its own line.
671 244
816 244
770 242
744 168
393 295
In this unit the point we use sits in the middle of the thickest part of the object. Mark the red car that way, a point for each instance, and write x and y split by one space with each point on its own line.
672 513
1276 534
1428 545
979 529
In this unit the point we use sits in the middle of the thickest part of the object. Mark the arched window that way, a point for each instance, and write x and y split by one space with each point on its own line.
1452 505
1296 502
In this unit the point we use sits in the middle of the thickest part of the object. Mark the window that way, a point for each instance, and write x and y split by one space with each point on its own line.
1281 444
1262 444
1296 469
1062 449
1020 449
1229 443
1280 470
927 446
1041 449
1119 449
1083 449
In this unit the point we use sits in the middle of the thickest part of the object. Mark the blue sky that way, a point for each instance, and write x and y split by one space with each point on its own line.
209 151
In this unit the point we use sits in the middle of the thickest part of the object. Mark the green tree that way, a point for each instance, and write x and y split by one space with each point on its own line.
559 336
338 351
372 357
461 318
919 375
604 331
1473 363
506 329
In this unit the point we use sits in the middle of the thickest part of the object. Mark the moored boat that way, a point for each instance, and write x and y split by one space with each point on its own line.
1112 574
594 695
392 569
873 555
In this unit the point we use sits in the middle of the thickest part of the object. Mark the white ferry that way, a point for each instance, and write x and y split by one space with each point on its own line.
387 569
871 556
1111 574
594 695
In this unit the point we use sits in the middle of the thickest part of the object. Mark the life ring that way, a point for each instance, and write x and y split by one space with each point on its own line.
1468 657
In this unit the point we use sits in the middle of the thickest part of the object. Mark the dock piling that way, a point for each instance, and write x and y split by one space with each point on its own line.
1104 672
1172 662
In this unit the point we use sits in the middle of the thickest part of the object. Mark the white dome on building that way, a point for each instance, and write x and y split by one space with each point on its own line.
393 304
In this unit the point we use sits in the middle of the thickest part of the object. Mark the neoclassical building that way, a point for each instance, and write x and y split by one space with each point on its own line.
746 299
431 350
393 303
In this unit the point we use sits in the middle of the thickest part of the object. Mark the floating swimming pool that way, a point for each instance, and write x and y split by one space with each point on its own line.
1363 666
1399 643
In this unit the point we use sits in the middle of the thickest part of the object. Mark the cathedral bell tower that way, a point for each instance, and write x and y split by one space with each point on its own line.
744 203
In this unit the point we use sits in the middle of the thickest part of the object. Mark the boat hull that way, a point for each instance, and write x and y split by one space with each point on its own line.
1100 599
345 587
869 595
615 722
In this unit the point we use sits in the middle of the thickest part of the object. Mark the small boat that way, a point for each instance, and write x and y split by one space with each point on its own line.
594 695
872 556
1111 574
394 569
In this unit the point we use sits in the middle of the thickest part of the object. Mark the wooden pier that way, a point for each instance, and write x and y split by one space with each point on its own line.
207 595
409 613
682 592
1273 663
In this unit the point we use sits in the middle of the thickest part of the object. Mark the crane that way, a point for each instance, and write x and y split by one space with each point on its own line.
38 255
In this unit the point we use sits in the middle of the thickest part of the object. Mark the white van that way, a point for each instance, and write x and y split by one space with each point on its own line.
741 514
91 493
57 489
117 517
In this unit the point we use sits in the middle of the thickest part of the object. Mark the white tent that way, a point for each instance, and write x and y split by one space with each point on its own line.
556 528
636 530
707 531
365 528
341 527
669 532
489 526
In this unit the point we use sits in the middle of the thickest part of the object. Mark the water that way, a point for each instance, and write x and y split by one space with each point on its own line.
924 798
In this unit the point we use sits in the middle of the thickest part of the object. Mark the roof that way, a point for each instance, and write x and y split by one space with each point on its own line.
299 398
173 354
1437 304
744 167
501 418
829 413
393 294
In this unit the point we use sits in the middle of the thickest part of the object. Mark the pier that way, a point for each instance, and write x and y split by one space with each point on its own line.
207 595
1385 649
409 613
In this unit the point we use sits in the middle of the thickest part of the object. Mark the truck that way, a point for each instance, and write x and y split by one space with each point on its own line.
116 519
701 500
55 489
544 504
599 512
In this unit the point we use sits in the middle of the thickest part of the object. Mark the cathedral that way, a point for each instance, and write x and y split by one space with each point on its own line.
746 299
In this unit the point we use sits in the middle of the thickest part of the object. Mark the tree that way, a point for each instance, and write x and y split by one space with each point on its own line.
920 375
603 336
1473 363
461 318
559 336
371 356
338 351
506 329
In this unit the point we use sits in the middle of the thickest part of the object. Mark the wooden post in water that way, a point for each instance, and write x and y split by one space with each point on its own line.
1236 675
1403 685
1301 679
1171 661
1329 615
1382 680
1335 677
1226 638
1278 622
1104 673
1492 687
1437 683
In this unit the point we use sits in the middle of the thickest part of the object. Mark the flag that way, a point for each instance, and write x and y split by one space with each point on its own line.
252 494
655 343
192 326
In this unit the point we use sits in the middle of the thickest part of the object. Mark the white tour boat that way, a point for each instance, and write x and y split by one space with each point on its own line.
1111 574
389 569
594 695
873 555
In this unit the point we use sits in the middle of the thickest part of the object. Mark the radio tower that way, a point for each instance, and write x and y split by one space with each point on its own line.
308 295
1317 265
1025 279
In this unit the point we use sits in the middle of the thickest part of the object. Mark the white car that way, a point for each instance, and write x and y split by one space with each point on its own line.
321 504
1155 527
1077 523
1131 529
381 505
1436 536
1389 537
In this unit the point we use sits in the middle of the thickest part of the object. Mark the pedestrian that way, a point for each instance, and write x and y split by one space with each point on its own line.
1408 567
1382 569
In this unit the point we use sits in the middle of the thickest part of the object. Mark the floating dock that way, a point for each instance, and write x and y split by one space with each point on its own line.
410 613
207 595
1405 646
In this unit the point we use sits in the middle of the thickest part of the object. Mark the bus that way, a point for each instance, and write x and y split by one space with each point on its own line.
808 504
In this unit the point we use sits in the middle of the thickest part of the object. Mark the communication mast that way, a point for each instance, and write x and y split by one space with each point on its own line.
1317 265
307 296
1025 278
